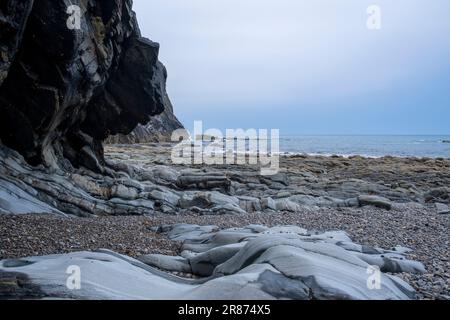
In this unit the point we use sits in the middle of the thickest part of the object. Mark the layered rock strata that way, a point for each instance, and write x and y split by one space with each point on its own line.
64 87
255 262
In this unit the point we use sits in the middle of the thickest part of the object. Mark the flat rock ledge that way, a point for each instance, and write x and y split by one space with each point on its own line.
141 180
254 262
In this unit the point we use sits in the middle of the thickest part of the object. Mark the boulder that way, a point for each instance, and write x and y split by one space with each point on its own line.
437 194
250 204
211 203
164 174
165 197
204 181
268 203
287 205
380 202
442 208
121 191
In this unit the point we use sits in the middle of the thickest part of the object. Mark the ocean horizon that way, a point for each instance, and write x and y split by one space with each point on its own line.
368 146
433 146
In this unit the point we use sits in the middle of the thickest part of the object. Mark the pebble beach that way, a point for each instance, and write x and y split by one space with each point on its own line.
425 231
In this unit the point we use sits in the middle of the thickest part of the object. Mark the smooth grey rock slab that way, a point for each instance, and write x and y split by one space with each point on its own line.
165 197
324 265
380 202
212 203
204 181
393 263
15 200
203 264
187 232
287 205
168 263
442 208
254 262
250 204
164 174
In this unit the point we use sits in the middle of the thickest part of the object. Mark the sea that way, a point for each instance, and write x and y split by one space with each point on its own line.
367 145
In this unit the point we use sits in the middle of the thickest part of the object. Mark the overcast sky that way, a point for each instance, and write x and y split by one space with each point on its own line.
305 66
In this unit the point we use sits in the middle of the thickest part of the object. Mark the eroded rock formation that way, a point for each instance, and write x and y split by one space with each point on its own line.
252 263
158 129
64 90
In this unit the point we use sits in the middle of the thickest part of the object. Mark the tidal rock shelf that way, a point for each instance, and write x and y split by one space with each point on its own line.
303 183
139 180
28 189
254 262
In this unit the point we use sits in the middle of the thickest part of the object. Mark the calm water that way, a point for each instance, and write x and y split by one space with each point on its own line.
370 146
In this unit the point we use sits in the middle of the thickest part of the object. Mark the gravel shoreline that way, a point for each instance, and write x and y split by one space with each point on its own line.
420 229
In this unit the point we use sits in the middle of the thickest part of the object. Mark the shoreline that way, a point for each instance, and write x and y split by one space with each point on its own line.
304 154
381 202
350 156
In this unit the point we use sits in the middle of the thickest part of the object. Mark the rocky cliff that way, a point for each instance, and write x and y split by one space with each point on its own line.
69 80
73 73
158 129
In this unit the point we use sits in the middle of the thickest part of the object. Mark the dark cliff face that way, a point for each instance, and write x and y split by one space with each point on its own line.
64 90
158 129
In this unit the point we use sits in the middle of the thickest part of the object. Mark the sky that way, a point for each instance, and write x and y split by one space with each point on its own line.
305 66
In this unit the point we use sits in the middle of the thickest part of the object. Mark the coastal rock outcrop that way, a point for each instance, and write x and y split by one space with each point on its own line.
73 73
65 87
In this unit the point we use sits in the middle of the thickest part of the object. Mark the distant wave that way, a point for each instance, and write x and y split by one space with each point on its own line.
329 155
364 146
